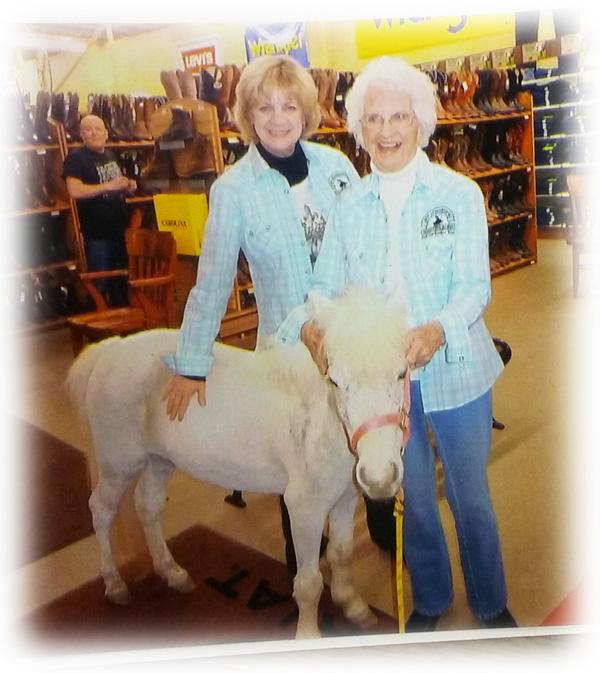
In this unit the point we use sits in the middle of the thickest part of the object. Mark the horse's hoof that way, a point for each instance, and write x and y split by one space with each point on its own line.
184 585
120 596
366 619
307 634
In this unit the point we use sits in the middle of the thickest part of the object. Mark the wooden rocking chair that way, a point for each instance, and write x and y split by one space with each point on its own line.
152 260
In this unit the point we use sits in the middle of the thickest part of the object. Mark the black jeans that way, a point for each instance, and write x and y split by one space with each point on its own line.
103 255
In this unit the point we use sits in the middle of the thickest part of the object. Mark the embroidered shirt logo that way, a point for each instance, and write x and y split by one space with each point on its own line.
438 221
338 182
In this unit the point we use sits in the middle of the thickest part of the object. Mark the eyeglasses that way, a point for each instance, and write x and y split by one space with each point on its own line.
398 120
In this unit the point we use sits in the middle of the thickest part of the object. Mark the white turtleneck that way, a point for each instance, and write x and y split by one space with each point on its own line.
394 189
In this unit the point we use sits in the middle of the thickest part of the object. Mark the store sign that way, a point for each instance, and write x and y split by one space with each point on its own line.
281 38
198 55
377 37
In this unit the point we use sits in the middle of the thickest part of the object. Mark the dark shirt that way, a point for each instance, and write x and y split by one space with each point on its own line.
104 216
293 168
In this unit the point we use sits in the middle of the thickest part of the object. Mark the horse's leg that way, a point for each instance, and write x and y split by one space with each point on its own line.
339 556
307 528
103 505
150 497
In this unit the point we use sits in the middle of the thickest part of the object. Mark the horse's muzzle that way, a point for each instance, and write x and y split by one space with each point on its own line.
384 486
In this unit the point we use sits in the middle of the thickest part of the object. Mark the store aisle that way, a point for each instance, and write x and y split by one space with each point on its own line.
530 470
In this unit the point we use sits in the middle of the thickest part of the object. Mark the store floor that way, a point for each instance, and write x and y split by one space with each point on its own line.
533 472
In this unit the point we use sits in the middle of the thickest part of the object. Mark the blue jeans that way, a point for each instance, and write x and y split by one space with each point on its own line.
103 255
463 441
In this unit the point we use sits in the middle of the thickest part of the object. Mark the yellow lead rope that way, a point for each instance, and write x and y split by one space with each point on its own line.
398 513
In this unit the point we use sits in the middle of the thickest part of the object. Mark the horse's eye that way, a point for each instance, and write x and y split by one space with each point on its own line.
332 381
402 374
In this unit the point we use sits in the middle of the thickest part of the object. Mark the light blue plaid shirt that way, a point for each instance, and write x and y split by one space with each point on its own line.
252 209
444 270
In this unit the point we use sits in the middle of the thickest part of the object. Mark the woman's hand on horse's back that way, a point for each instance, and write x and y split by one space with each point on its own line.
311 336
178 394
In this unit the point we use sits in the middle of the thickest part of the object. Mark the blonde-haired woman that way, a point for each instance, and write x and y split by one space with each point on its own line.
273 204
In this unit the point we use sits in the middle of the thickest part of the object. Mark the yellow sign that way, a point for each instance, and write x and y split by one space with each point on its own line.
377 37
184 215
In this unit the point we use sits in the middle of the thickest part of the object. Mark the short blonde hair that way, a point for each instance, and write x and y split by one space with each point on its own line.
263 76
396 73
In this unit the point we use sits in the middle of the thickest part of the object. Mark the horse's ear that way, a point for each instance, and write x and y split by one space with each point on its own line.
318 306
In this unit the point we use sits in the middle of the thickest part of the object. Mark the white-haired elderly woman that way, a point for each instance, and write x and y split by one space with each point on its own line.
419 229
274 205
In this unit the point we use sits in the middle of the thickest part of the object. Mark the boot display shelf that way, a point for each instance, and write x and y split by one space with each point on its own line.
503 148
564 129
44 253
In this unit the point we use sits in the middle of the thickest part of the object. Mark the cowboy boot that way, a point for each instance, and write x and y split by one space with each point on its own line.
41 117
57 107
196 157
128 117
140 130
149 108
181 127
225 96
187 84
170 82
25 130
236 74
332 81
158 169
74 116
93 105
39 178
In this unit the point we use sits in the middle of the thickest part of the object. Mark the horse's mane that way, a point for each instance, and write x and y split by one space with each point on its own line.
365 329
289 367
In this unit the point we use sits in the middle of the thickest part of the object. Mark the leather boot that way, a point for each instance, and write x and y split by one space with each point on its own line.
35 194
72 122
236 74
208 87
324 87
149 108
140 130
24 131
105 113
170 82
224 97
128 119
94 104
38 173
195 158
26 196
118 116
332 81
187 84
158 169
41 117
181 127
57 107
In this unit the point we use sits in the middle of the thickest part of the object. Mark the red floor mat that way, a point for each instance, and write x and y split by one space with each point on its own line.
241 595
571 610
53 491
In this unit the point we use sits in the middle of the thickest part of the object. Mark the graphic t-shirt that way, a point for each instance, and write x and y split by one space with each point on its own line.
295 170
313 222
103 216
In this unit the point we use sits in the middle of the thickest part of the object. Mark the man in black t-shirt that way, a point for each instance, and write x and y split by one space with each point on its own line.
96 182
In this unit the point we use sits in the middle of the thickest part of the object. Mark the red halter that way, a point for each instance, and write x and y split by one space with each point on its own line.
400 418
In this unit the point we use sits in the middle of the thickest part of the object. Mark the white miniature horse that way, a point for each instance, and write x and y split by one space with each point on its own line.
271 424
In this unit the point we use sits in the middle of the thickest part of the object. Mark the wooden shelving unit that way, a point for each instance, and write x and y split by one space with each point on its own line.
20 277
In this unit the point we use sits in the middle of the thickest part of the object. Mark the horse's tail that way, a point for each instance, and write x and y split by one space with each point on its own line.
81 371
